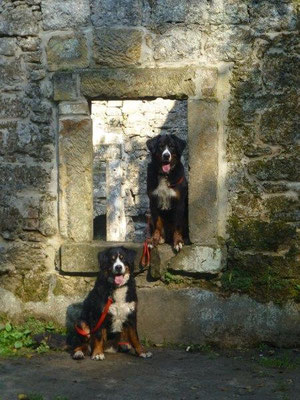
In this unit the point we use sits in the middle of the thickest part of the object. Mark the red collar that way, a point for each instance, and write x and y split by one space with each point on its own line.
180 180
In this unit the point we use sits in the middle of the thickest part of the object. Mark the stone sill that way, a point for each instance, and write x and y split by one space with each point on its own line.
81 258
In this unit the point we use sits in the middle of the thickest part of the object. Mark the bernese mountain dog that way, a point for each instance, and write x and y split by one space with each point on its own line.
167 190
115 293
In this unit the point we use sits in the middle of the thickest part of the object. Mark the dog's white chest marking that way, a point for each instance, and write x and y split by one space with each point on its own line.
164 194
119 310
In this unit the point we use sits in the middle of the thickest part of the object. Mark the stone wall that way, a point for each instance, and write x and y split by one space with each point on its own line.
237 62
120 131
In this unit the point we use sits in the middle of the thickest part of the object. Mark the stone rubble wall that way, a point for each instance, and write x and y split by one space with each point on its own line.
256 41
125 126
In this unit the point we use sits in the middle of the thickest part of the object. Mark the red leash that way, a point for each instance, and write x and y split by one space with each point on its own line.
99 323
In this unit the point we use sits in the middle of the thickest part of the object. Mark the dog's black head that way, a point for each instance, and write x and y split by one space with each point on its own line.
166 150
117 264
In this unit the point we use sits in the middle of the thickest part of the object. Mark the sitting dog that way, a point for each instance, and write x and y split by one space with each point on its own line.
167 190
113 299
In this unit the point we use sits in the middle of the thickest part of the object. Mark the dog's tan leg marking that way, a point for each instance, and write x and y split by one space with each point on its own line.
134 341
98 346
157 236
178 240
80 351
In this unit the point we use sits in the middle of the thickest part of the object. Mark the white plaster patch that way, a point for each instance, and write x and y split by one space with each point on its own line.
164 194
120 309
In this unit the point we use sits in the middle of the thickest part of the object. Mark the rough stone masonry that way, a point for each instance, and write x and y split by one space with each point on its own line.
236 63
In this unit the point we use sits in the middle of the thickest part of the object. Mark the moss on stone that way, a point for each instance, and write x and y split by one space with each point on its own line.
260 235
33 287
64 286
264 277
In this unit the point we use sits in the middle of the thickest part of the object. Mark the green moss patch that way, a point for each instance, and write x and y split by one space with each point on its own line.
260 235
263 277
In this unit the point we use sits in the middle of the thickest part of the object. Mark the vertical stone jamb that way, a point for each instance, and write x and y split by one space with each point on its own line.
203 177
115 209
75 172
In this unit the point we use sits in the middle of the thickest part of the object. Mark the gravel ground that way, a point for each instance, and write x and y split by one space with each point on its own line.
170 374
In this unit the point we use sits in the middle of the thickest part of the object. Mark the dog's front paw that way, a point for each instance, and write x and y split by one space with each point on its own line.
178 246
148 354
78 355
98 357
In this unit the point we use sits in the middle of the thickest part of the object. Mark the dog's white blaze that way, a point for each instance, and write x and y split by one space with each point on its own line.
164 194
119 262
120 309
167 151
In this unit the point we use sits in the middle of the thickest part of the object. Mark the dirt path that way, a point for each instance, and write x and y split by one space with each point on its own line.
170 374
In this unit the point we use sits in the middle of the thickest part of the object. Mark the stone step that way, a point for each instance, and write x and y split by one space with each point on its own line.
82 258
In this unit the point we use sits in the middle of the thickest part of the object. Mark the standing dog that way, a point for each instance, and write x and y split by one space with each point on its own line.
114 292
167 190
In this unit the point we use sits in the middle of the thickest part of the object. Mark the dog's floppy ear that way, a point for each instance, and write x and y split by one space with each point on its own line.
179 143
152 144
130 255
103 259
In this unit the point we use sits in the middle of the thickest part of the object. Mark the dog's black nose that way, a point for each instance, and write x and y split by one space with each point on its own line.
118 269
166 157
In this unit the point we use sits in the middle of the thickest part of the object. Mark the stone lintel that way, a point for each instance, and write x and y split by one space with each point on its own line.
132 83
83 257
76 178
203 176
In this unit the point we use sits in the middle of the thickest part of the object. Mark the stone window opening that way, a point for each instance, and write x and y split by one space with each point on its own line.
120 157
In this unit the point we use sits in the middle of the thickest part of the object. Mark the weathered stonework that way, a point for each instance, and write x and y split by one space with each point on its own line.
75 178
117 47
132 83
236 63
67 52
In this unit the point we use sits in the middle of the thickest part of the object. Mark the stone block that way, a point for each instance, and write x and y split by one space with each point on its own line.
65 86
78 108
8 46
59 14
160 12
117 47
12 106
199 316
75 178
133 83
117 12
12 76
21 21
22 177
197 259
203 175
276 169
177 44
65 52
83 257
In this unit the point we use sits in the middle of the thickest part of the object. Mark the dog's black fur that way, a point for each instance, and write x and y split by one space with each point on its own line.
167 189
110 281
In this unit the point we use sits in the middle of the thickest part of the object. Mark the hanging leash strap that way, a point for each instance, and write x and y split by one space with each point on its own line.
145 258
100 321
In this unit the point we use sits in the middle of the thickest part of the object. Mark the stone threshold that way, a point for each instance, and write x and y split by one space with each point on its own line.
82 258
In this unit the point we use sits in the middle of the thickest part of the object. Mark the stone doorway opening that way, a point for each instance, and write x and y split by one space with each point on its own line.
120 157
